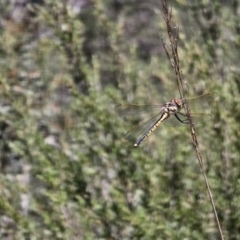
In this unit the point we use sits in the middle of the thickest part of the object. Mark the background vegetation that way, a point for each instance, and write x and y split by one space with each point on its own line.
65 171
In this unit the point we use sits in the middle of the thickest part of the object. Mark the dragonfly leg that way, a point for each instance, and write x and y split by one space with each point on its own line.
185 121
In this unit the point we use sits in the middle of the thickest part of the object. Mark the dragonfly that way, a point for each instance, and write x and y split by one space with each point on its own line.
172 108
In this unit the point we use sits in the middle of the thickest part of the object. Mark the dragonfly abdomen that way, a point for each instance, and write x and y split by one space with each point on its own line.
161 119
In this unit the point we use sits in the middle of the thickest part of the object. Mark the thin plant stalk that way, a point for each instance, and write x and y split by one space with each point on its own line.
181 82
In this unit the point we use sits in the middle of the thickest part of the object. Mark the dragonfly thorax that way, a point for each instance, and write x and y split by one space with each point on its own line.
173 106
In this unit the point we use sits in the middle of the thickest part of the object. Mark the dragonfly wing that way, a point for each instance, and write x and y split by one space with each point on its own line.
197 118
141 129
202 102
131 109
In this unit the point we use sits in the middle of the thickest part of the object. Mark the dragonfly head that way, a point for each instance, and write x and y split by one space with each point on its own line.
178 102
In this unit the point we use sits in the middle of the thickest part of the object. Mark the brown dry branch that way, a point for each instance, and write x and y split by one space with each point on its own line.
181 82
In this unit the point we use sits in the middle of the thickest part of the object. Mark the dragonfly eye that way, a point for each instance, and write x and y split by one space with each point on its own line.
178 102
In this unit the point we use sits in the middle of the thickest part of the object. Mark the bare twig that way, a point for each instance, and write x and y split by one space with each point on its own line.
173 38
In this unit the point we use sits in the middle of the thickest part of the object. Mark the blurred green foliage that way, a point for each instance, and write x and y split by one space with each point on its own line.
66 173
